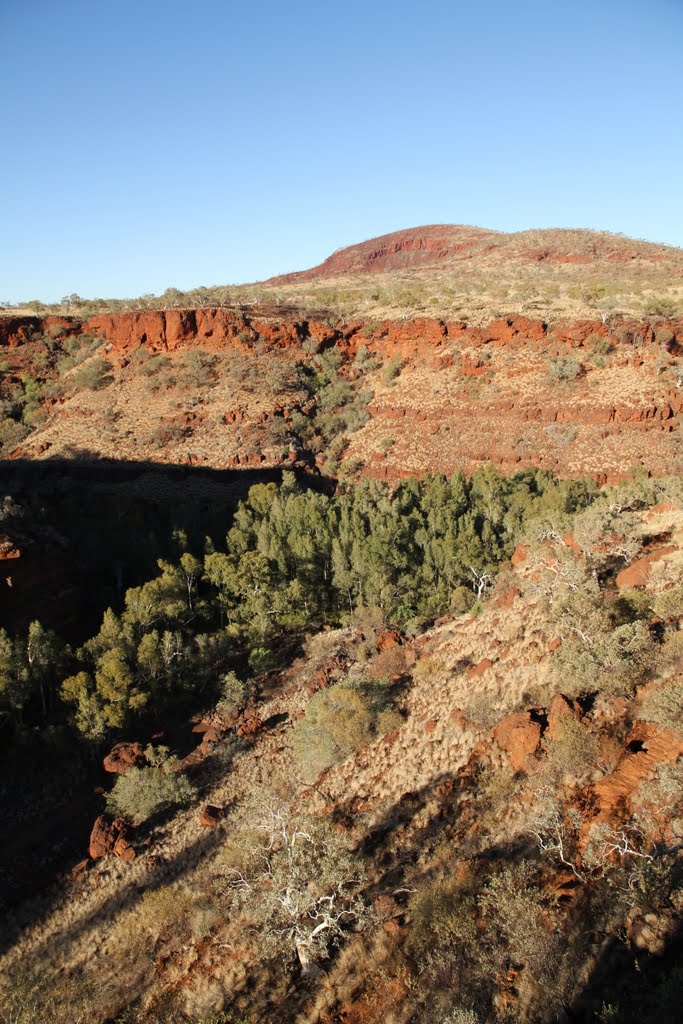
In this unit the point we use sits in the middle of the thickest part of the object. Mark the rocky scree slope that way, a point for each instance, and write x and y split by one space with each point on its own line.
493 775
231 388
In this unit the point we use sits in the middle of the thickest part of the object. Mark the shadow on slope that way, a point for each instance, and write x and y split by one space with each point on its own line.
87 529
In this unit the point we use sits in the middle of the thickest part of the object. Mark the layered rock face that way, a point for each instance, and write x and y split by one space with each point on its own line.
574 397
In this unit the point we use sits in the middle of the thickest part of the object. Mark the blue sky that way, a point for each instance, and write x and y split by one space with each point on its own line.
151 144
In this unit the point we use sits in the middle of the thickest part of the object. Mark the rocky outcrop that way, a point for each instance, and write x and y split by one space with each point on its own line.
211 816
249 723
414 247
647 746
466 395
8 549
388 638
124 756
111 836
519 736
638 573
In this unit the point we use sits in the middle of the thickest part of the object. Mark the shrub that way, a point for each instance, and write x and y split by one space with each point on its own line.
574 748
337 721
631 605
660 305
610 661
392 369
517 922
12 433
77 348
564 368
152 364
669 604
462 600
94 374
165 908
664 336
671 650
598 345
481 711
141 792
664 706
165 433
33 415
262 659
304 887
233 694
443 922
461 1016
199 365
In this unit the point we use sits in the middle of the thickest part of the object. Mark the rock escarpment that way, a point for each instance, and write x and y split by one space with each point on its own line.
577 398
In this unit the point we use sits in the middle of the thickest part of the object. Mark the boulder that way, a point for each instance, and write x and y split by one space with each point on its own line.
8 549
519 736
211 816
81 868
249 723
111 835
519 555
388 638
638 573
124 756
478 670
560 709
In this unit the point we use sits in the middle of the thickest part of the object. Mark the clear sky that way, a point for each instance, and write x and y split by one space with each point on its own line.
153 143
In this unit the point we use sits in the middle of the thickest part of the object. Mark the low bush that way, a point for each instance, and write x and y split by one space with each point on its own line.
669 603
12 433
664 705
233 695
338 720
94 374
392 369
610 661
574 748
564 368
598 345
141 792
262 659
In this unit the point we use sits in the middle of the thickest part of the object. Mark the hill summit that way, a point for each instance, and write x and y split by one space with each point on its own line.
443 245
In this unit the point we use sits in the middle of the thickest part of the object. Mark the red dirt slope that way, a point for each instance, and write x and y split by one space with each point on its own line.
446 244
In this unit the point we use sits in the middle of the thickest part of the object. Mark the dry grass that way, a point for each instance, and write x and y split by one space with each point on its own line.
166 418
433 416
548 273
514 415
117 920
156 927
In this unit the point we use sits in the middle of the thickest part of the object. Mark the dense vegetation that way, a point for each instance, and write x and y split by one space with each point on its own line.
292 560
496 896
